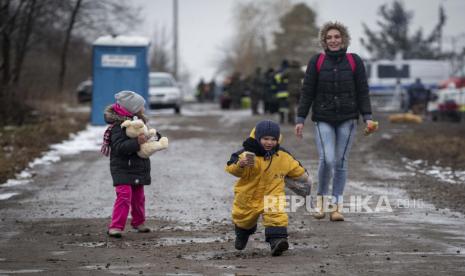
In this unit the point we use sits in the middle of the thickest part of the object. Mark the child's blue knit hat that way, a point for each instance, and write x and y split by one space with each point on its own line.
267 128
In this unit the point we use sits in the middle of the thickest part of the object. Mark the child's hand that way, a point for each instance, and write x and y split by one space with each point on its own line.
371 127
248 160
243 162
141 139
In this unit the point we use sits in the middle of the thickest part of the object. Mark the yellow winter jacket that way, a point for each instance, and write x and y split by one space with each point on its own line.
265 179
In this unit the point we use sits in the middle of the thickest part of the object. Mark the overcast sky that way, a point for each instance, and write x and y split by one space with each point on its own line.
205 26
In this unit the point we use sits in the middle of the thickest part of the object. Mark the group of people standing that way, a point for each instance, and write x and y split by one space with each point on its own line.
278 90
206 91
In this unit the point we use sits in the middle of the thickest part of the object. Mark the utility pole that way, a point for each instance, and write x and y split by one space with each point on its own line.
175 39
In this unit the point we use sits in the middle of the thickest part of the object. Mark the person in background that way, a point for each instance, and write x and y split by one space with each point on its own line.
256 90
201 91
282 93
236 90
418 97
269 91
294 76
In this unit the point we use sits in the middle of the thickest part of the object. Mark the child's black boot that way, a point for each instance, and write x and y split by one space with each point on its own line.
278 246
277 237
242 236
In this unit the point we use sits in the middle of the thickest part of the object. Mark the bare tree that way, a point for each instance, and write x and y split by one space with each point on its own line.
29 32
250 46
25 29
160 55
64 52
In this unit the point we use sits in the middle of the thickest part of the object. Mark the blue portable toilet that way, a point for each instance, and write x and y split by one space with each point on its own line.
119 63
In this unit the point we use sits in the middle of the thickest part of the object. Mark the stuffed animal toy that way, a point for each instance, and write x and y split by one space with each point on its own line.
135 127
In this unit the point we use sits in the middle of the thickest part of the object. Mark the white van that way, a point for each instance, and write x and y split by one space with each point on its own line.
383 76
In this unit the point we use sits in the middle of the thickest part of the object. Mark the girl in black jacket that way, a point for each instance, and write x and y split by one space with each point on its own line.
129 172
335 88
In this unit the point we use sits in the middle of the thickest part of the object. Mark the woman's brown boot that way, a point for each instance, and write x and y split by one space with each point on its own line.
337 214
320 214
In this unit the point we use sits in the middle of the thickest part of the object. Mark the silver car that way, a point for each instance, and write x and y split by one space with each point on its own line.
164 92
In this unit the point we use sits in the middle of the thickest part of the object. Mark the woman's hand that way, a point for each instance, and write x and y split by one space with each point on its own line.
299 128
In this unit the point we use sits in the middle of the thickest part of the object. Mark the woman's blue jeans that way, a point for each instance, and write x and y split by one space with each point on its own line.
334 142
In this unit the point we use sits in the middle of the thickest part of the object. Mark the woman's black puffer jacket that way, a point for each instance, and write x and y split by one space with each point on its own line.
336 93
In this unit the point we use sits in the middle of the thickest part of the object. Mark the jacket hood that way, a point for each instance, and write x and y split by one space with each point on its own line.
337 26
111 117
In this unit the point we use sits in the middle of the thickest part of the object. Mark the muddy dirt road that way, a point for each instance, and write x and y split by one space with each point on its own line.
55 224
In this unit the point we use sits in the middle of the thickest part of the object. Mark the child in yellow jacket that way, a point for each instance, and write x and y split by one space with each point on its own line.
262 167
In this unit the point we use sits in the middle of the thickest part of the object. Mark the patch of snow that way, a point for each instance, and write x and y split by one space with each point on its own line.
7 195
15 182
445 174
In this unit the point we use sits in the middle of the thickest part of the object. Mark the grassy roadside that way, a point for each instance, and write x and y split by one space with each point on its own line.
22 144
440 143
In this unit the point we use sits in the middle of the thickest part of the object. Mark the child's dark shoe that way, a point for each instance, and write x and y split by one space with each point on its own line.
242 236
241 241
142 228
115 233
278 246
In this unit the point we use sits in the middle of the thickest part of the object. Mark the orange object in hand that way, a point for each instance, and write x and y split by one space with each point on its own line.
371 128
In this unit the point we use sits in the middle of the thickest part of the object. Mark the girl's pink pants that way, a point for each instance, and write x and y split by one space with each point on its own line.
128 197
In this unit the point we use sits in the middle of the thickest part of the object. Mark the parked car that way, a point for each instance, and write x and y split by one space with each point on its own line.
84 91
164 92
448 103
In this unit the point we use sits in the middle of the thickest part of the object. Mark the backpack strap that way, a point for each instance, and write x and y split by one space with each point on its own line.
351 60
321 59
319 63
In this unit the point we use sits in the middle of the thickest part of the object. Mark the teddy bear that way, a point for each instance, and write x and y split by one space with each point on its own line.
135 127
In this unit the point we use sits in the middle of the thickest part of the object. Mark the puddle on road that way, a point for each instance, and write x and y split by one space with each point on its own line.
133 269
21 271
93 244
171 241
255 249
59 253
227 255
159 242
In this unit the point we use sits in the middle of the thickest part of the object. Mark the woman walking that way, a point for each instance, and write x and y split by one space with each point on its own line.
335 87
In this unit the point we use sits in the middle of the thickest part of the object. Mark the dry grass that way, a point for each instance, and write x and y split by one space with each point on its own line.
21 144
442 143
